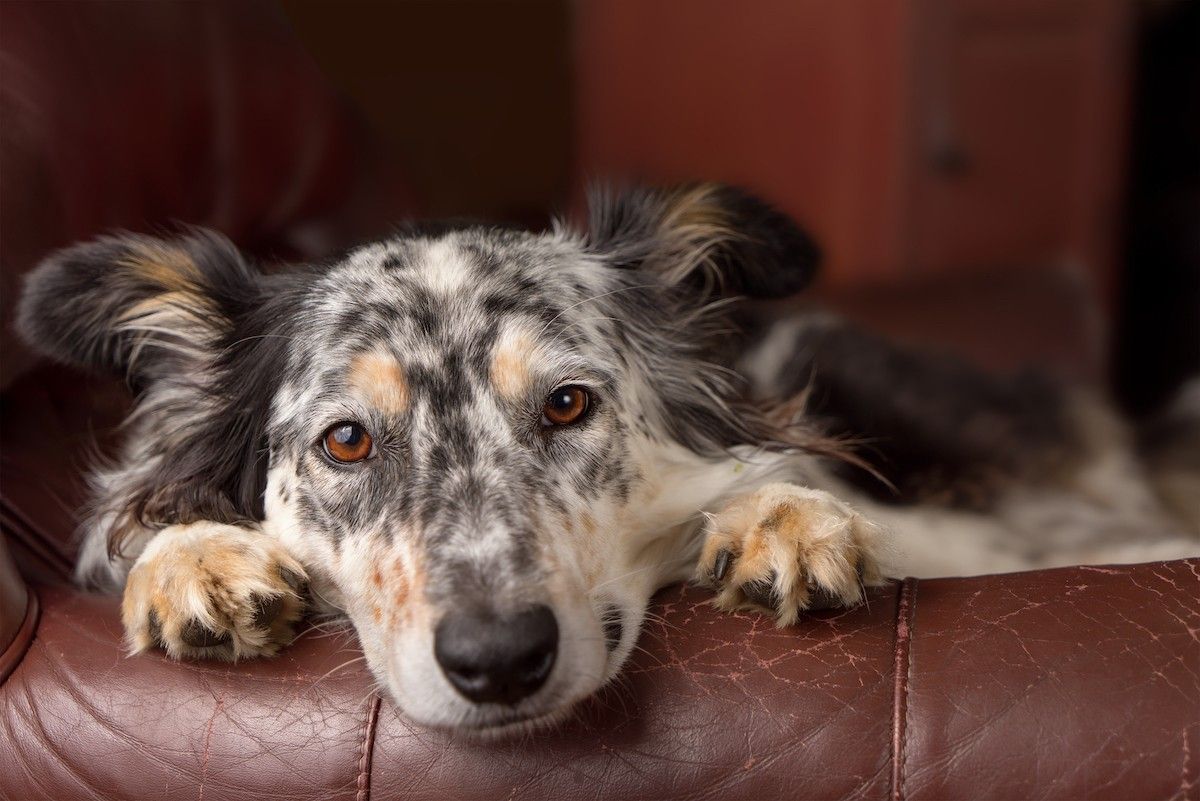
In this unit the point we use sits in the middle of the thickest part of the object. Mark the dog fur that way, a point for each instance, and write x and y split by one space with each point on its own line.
222 516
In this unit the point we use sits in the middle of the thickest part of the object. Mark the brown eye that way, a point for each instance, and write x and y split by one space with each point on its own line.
566 405
347 442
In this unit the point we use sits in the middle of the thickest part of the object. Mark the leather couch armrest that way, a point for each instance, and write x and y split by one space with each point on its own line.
1070 683
18 613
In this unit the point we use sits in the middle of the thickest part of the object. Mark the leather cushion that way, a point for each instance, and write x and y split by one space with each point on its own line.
1079 682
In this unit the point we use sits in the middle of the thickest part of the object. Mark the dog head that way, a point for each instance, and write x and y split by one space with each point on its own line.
488 447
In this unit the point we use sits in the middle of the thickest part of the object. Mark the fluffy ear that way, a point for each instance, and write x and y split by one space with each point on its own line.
710 236
201 334
135 304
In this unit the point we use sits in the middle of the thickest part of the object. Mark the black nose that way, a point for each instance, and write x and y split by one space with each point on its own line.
495 658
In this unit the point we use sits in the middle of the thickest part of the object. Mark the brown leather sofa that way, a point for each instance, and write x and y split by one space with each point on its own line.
1074 683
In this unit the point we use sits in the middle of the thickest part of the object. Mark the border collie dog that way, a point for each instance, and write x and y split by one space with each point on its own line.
488 448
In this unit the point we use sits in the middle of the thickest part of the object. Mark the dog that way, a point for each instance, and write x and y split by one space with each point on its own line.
488 448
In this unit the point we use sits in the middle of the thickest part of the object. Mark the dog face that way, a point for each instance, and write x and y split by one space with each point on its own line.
488 447
457 448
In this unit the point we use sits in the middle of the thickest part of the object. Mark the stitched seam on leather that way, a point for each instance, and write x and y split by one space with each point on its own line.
365 752
905 608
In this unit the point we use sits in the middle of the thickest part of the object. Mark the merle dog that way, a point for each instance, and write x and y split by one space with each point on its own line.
488 448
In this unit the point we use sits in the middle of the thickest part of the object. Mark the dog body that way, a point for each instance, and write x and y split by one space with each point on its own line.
985 474
489 448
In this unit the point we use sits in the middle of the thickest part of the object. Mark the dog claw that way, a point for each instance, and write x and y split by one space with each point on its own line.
821 598
266 609
155 626
296 581
759 593
721 567
197 636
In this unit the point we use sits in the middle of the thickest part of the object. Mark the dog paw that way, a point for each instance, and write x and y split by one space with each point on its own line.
212 591
787 549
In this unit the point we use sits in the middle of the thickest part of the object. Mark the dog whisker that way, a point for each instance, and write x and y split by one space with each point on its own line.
331 671
592 299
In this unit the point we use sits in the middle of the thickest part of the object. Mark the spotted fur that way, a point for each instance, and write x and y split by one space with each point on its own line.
444 344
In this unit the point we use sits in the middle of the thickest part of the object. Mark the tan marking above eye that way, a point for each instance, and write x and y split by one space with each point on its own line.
510 364
347 442
566 405
380 380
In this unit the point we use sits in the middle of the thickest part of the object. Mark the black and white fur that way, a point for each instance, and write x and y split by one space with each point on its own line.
222 514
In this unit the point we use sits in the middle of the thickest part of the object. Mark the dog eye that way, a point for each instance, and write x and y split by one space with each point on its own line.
346 442
566 405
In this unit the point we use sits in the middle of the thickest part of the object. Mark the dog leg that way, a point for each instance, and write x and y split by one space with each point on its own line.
787 548
208 590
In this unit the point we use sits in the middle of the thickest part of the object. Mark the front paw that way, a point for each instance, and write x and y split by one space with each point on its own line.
787 549
207 590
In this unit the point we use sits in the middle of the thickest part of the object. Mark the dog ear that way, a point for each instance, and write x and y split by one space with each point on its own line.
135 304
200 334
713 237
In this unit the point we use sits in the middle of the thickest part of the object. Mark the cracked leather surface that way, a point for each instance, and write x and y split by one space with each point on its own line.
1079 683
1072 683
78 719
716 706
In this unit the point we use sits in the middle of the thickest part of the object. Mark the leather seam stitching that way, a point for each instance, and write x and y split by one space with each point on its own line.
902 668
367 749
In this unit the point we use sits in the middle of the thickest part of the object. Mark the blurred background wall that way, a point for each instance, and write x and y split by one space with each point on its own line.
942 151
